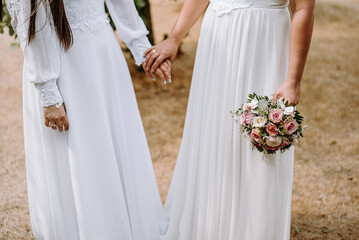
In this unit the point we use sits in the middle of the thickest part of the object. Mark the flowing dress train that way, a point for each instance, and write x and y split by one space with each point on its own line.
221 189
95 181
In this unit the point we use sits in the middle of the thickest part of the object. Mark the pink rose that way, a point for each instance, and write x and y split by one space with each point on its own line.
291 126
272 130
249 118
243 118
256 135
276 115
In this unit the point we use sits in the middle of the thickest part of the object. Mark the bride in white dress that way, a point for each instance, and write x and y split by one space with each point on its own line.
96 180
221 189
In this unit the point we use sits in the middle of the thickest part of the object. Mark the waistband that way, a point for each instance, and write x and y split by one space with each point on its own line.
269 4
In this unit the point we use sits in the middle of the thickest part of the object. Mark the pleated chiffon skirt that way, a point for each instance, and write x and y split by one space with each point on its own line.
95 181
221 188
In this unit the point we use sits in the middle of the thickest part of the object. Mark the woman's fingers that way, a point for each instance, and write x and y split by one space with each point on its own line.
47 123
56 118
148 51
165 71
157 63
60 125
168 65
150 60
148 73
161 75
168 62
66 123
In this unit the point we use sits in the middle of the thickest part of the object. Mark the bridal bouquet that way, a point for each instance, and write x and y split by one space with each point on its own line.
270 125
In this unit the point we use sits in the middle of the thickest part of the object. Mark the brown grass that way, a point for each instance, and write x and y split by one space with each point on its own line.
326 177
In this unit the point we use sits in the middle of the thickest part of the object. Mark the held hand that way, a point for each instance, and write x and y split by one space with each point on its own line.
163 71
158 53
56 118
290 91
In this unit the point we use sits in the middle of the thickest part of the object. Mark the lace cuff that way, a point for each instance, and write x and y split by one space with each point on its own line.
138 48
49 93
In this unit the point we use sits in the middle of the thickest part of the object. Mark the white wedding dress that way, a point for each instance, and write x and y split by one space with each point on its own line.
221 189
95 181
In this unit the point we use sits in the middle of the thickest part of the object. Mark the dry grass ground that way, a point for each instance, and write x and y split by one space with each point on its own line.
326 178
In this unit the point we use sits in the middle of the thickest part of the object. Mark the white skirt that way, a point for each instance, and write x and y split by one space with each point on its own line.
95 181
221 189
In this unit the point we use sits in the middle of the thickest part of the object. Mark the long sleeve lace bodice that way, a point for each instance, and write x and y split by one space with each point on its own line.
41 56
42 63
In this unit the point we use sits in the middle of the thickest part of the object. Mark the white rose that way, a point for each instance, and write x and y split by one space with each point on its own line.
273 141
281 103
246 106
259 122
289 111
254 103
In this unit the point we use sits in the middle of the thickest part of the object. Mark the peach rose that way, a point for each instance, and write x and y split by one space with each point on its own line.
291 126
272 130
256 135
276 115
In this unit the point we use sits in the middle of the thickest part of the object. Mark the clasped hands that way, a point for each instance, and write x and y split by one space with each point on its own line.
158 60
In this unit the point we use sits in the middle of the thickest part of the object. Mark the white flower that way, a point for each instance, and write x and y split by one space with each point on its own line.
254 103
273 141
236 117
246 107
259 122
281 103
294 141
304 128
262 103
289 111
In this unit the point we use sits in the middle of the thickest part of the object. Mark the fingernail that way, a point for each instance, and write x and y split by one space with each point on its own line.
170 80
165 82
154 79
152 70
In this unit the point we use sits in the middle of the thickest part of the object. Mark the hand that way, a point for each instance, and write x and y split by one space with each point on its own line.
289 91
56 118
155 55
163 71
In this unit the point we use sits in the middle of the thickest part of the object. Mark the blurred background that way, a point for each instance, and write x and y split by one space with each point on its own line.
326 175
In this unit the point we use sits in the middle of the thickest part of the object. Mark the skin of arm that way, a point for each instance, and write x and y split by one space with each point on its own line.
190 13
300 39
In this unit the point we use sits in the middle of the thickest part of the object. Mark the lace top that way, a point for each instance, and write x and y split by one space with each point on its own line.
42 55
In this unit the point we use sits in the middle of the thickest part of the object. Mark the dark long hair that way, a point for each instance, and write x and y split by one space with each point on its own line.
62 27
0 10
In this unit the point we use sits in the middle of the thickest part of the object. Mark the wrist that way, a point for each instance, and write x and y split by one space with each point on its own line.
176 40
295 82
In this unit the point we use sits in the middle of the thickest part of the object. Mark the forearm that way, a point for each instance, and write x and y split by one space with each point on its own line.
190 13
300 39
